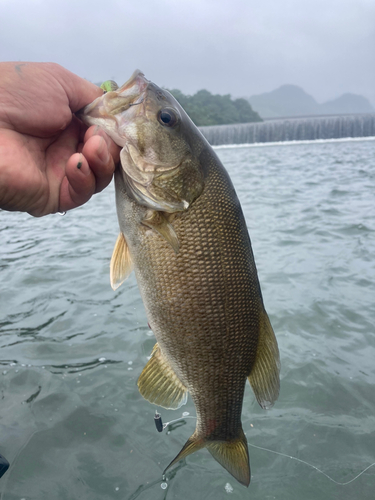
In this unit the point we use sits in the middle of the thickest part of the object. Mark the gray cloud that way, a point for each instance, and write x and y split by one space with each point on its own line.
241 47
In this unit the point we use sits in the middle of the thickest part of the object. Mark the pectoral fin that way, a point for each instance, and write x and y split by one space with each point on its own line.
121 263
159 223
264 376
159 384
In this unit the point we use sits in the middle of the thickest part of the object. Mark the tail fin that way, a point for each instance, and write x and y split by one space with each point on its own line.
232 455
194 443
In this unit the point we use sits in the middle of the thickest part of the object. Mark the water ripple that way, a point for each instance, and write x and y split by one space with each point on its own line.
72 420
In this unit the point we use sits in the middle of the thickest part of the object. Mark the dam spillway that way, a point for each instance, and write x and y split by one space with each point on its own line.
292 129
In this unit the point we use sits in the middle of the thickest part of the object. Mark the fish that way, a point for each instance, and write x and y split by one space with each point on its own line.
183 232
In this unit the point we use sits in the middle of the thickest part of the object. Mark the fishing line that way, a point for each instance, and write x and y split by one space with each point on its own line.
177 420
136 103
160 427
159 423
313 466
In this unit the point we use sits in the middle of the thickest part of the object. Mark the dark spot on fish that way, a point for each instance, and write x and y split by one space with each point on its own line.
160 96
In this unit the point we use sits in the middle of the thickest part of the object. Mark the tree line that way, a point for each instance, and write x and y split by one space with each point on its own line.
205 108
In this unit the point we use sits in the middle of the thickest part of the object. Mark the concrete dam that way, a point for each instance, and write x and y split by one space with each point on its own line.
292 129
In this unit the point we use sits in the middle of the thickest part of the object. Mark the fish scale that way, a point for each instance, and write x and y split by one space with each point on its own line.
212 306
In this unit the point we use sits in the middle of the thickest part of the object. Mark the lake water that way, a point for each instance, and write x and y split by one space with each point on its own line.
72 422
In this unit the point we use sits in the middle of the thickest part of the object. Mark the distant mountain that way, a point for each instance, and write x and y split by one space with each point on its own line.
290 100
347 103
287 100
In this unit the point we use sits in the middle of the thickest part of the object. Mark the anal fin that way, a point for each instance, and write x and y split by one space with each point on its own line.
264 377
159 384
121 263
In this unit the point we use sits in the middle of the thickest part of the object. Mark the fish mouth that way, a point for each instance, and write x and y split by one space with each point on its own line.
113 103
136 81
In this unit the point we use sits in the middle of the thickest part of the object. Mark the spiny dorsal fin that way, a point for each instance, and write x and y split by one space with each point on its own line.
158 222
264 376
159 384
121 263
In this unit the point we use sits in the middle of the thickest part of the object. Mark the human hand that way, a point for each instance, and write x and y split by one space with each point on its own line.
49 162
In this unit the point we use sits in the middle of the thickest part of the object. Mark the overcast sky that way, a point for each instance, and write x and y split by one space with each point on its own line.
240 47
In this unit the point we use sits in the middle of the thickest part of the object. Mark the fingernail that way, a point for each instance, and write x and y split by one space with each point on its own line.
103 152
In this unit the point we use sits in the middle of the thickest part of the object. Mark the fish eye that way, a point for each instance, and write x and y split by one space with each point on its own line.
168 117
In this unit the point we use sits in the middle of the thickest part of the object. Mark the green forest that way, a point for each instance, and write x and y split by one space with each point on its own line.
205 108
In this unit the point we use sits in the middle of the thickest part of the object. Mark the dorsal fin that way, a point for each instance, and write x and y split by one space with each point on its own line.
264 377
121 263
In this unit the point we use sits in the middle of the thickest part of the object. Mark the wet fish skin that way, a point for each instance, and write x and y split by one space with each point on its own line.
184 233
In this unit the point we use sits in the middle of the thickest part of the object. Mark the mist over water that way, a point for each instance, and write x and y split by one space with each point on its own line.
72 422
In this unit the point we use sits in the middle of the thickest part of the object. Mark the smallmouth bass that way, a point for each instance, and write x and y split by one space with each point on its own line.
183 232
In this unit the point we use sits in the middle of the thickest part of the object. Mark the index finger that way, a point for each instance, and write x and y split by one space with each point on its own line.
79 91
